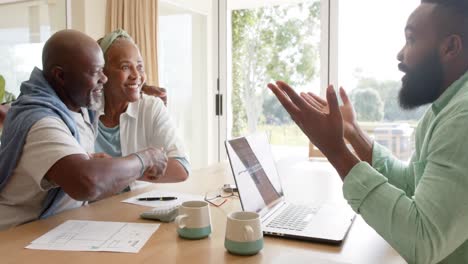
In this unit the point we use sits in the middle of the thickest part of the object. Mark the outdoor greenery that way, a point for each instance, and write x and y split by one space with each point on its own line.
388 94
367 104
283 43
271 43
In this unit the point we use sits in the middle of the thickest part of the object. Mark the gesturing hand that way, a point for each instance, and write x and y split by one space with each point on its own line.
348 114
322 123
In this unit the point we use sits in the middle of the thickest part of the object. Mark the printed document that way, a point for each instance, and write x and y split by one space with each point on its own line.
76 235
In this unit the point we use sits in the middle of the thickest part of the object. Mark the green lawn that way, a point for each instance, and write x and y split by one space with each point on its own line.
285 135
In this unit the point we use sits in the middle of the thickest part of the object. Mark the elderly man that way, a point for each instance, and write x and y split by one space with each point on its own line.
45 161
420 208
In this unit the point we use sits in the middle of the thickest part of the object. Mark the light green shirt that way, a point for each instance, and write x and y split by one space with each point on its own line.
421 208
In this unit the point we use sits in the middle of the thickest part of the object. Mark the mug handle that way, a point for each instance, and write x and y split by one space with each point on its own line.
249 233
179 220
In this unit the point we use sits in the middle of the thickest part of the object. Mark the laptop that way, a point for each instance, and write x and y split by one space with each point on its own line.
260 190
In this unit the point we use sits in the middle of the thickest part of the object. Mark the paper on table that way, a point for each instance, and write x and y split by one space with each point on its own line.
76 235
181 197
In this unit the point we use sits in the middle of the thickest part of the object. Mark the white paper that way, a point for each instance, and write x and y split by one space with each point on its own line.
181 197
76 235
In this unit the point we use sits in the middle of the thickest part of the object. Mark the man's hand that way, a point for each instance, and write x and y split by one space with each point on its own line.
155 91
323 126
353 133
350 124
155 163
324 129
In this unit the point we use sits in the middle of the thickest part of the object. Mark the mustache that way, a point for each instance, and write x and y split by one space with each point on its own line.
402 67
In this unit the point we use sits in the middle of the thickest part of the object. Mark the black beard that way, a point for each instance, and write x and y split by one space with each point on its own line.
422 84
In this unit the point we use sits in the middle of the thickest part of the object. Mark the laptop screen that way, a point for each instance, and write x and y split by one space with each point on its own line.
254 171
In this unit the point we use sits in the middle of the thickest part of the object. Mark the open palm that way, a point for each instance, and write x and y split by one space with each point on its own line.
322 123
347 111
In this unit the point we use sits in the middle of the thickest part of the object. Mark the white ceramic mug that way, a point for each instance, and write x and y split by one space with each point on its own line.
194 220
244 235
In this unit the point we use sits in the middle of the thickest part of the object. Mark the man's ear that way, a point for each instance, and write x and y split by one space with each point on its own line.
58 75
451 48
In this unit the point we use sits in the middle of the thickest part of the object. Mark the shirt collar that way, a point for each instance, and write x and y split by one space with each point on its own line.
448 94
132 109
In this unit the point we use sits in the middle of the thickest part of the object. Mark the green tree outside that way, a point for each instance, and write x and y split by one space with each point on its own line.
367 104
271 43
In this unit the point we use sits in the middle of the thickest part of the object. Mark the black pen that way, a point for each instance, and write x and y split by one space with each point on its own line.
163 198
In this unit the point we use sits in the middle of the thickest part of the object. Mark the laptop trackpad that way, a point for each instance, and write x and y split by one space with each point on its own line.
330 222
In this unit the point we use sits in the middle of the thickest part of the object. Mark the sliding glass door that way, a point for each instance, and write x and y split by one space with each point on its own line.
309 44
368 46
268 41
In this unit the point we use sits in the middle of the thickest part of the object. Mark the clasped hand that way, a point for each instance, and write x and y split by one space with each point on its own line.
156 164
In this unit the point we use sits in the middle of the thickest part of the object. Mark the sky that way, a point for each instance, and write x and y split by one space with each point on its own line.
371 33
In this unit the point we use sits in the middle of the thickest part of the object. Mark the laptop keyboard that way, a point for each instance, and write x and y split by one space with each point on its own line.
294 217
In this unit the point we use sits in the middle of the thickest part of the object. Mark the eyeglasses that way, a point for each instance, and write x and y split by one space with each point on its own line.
218 197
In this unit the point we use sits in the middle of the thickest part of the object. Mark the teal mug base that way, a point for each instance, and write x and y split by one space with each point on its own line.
243 248
194 233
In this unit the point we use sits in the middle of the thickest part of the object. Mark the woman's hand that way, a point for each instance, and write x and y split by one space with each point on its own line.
155 91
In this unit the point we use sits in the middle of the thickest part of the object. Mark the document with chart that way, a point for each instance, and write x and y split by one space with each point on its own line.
76 235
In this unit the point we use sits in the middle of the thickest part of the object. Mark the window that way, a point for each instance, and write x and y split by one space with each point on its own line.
25 26
309 44
273 40
367 68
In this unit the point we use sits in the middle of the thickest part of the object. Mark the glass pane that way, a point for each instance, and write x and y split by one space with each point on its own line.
25 26
272 42
368 47
183 51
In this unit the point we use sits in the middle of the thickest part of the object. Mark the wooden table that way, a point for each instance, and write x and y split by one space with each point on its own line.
302 179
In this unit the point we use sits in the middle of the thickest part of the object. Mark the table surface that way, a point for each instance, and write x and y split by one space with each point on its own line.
302 179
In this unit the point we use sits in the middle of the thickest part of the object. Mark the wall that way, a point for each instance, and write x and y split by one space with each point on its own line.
195 6
89 16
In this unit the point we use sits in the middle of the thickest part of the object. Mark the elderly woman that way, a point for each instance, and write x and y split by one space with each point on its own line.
132 121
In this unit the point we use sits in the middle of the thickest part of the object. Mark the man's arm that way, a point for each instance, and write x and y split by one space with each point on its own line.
425 227
85 178
397 172
324 129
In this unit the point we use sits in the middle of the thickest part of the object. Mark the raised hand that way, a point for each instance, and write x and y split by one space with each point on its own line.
321 122
350 124
349 116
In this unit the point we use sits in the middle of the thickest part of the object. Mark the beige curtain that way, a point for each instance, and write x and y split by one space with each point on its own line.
140 19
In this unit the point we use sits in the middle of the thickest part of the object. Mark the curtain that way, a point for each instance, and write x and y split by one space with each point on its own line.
140 19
